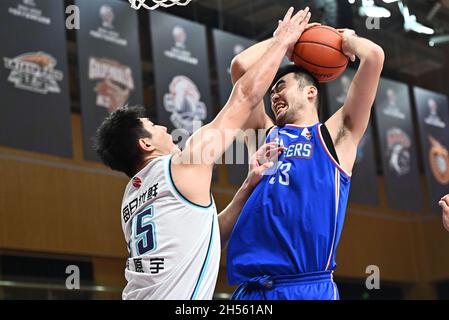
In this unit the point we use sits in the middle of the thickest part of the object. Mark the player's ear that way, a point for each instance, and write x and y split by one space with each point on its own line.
312 92
145 145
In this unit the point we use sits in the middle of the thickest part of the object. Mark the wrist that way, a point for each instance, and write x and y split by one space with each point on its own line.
281 41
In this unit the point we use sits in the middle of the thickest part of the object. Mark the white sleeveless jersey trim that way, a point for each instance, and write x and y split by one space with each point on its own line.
178 194
174 245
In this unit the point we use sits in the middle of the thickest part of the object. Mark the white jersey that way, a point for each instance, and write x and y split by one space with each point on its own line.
174 245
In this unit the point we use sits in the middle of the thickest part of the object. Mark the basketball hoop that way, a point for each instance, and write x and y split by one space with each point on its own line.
137 4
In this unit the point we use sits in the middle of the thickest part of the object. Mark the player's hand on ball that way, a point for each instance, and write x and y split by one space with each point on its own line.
289 53
444 204
261 161
291 28
348 35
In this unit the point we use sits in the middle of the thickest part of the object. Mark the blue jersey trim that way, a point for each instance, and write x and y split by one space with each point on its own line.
205 263
179 194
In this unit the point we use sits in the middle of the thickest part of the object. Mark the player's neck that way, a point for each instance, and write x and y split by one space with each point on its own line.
150 158
306 119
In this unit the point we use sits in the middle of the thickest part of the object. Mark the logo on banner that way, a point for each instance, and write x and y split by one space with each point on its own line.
391 108
28 10
34 71
179 50
439 161
183 102
114 82
399 157
107 30
433 119
107 16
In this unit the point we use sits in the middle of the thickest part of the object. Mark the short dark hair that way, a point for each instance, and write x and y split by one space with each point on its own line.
116 140
304 77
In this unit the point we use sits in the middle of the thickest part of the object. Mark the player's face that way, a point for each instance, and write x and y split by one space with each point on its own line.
287 99
160 138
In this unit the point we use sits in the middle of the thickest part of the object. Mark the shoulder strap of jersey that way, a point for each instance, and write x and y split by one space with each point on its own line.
328 141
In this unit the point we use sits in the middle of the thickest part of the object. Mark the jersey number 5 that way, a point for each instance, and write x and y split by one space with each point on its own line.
144 239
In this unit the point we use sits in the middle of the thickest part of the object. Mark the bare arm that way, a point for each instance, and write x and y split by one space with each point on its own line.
244 61
444 204
239 66
348 124
210 142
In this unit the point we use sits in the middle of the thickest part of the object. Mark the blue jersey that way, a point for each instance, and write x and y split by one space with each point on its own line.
292 222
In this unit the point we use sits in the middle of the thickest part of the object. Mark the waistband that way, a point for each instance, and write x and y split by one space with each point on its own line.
268 282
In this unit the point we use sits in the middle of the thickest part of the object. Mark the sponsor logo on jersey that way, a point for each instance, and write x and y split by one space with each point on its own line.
399 157
306 134
303 150
439 161
115 82
142 198
35 72
290 135
137 182
184 103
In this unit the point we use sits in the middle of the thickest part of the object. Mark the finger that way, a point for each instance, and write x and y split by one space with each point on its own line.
311 25
259 171
444 205
265 167
298 16
304 13
446 199
288 15
306 20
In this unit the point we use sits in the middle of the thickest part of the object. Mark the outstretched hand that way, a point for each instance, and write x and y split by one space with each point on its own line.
290 29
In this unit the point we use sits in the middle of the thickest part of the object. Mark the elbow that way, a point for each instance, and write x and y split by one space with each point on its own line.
377 56
374 59
237 68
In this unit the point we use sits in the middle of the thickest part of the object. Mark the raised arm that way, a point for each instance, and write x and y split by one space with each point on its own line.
349 123
192 168
245 60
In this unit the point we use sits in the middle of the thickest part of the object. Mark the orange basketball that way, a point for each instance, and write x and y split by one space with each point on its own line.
319 51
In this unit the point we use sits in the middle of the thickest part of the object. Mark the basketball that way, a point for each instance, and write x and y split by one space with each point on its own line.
319 51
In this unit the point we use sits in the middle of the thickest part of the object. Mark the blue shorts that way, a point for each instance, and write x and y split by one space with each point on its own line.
310 286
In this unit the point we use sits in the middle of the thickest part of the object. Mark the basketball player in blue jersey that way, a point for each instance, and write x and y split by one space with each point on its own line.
284 242
168 215
444 204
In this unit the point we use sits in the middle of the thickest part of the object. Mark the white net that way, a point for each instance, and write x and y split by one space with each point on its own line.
153 4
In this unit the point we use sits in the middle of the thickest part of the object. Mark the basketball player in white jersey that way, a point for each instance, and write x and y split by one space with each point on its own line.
444 204
168 214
